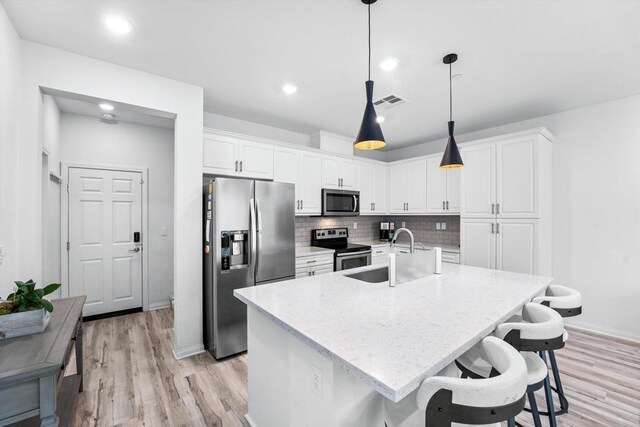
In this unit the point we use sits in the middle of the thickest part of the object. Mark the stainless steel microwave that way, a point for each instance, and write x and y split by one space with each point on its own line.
340 202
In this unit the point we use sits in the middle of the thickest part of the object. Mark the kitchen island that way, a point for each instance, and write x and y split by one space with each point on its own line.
325 350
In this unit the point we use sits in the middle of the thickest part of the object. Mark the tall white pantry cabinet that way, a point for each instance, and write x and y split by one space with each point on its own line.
505 212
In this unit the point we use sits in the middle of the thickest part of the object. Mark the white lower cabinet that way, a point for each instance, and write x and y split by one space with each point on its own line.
380 255
313 264
506 244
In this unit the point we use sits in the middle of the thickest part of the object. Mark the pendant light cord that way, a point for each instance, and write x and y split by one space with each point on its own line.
369 24
450 95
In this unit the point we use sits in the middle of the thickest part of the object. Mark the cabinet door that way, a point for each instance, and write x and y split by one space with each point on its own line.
220 155
436 185
348 174
517 246
397 188
479 181
364 175
517 178
310 182
453 190
330 172
285 169
416 183
379 189
478 242
256 160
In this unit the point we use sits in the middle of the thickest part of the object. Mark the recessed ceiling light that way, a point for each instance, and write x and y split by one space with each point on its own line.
106 107
290 88
380 119
117 24
389 64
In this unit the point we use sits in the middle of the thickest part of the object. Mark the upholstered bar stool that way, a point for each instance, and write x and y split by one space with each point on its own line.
539 329
450 401
568 303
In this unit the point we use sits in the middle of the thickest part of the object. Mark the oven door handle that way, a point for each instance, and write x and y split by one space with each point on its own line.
353 254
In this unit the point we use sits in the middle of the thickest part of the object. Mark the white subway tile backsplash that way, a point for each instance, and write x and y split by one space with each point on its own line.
423 227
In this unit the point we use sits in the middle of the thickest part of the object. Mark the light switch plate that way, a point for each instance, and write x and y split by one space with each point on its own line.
404 224
444 225
355 225
437 226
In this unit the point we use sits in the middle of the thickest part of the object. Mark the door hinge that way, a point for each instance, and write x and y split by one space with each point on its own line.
68 246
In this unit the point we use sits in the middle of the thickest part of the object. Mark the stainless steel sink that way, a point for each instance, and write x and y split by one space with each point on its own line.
377 275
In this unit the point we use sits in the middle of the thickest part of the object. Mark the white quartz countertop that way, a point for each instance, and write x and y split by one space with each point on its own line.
403 244
312 250
394 338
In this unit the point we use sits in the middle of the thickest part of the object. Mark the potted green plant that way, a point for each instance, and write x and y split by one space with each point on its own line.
25 310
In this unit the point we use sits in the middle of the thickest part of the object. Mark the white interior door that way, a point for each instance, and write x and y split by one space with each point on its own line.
105 210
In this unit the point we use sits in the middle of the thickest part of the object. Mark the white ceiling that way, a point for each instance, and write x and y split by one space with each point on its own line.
519 59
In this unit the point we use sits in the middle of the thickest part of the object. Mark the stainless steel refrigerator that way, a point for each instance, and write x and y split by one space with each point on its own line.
249 240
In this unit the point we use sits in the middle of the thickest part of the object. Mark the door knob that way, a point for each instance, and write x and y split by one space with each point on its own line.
136 249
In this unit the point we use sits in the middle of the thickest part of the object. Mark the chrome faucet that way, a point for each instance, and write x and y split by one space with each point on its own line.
406 230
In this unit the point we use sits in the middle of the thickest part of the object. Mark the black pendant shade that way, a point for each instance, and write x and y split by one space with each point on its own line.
451 158
370 136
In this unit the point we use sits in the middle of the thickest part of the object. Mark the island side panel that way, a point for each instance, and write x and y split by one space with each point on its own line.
291 384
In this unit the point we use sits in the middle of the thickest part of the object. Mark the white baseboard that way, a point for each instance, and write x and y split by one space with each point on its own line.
188 351
249 420
159 305
602 330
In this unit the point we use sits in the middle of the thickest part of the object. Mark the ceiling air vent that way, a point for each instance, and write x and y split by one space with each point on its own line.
389 102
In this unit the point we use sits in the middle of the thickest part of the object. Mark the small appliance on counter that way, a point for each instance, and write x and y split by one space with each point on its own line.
347 255
387 229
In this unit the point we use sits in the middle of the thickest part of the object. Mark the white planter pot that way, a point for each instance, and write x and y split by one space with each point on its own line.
24 323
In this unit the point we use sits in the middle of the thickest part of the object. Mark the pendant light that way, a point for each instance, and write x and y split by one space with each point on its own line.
370 136
451 158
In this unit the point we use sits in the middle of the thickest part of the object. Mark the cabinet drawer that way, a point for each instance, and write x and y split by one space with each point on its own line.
379 251
314 260
451 257
380 259
314 271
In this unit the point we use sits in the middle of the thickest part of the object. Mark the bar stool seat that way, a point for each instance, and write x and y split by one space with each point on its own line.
452 401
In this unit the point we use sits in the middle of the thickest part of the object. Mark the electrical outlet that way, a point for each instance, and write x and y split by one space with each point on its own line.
444 225
317 380
404 224
355 225
437 226
163 230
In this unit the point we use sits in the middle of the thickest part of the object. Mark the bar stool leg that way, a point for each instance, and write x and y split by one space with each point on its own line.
548 395
534 409
511 422
564 403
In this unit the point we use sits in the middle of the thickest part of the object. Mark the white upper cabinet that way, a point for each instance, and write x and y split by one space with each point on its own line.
517 175
408 187
454 183
436 186
372 184
301 168
479 181
503 178
338 173
256 160
310 183
233 156
220 155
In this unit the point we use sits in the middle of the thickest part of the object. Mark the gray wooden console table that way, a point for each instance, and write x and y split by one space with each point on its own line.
32 381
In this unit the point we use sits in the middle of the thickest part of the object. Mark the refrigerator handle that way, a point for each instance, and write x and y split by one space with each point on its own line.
254 237
258 216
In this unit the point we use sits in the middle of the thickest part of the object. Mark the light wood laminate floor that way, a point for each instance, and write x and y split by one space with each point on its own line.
132 379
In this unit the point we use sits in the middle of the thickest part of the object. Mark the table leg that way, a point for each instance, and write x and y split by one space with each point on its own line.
48 417
79 362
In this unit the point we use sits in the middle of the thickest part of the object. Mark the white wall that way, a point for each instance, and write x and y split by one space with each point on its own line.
56 69
50 196
86 139
10 80
596 207
231 124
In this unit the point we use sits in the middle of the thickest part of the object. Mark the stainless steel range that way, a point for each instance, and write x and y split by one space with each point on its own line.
347 255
